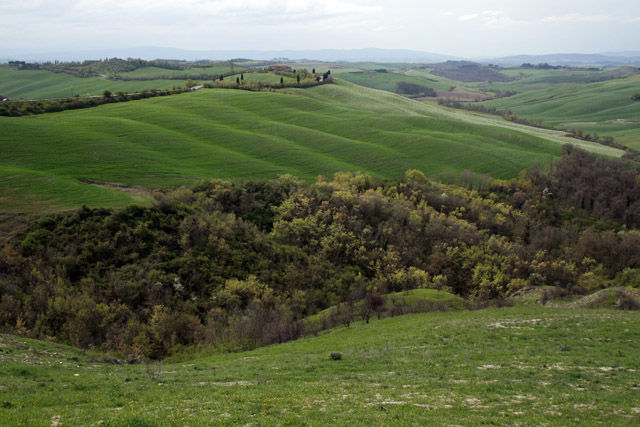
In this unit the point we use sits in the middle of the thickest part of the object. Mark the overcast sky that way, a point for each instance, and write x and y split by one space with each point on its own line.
470 28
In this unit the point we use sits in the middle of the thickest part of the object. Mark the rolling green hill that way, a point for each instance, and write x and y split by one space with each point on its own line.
386 81
515 366
39 84
234 134
261 77
602 107
594 101
150 72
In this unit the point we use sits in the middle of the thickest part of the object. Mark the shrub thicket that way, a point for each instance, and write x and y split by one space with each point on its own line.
238 265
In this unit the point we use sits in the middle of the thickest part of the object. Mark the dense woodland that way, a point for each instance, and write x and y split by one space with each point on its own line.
235 265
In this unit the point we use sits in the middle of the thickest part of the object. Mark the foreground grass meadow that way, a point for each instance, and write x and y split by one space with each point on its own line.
510 366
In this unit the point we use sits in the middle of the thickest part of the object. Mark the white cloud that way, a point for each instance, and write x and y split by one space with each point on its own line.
495 19
192 23
575 17
458 27
468 17
265 9
168 19
32 7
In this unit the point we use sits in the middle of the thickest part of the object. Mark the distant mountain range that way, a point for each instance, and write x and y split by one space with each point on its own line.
327 55
610 59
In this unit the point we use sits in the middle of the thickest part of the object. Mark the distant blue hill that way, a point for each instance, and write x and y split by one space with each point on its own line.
349 55
328 55
573 59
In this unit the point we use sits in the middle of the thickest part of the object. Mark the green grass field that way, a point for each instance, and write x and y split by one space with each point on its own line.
235 134
386 81
514 366
556 97
584 106
409 298
547 77
440 82
261 77
373 65
150 72
33 191
38 84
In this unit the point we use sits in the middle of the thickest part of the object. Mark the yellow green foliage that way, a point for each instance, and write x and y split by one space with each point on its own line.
237 265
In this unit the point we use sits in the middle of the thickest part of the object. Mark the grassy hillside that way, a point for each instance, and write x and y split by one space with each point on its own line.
524 366
34 191
385 81
150 72
595 101
261 77
435 299
438 82
38 84
585 106
439 77
237 134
